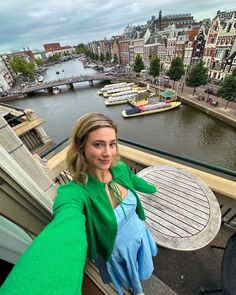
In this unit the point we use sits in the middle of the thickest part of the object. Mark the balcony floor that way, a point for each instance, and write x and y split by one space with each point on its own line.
187 272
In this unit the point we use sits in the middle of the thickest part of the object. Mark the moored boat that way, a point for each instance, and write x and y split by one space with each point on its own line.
116 91
56 90
120 99
114 86
40 78
150 109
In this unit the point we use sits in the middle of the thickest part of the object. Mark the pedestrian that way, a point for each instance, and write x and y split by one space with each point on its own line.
98 213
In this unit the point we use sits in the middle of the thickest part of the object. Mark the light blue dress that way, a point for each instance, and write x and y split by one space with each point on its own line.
131 259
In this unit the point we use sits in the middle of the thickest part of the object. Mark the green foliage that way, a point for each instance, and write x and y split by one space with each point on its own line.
108 56
227 87
39 61
138 65
102 57
198 76
115 57
154 67
176 69
22 66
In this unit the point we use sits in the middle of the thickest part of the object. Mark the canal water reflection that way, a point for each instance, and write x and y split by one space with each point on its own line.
185 130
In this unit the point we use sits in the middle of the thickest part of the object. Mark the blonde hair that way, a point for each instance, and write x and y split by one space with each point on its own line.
76 161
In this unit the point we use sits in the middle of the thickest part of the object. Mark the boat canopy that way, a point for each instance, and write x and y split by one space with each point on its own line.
167 94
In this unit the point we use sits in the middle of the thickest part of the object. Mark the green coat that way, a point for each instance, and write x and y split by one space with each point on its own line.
55 261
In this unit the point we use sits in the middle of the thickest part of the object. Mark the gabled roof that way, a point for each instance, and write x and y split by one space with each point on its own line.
193 33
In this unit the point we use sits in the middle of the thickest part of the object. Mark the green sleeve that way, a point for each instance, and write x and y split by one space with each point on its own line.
140 184
54 263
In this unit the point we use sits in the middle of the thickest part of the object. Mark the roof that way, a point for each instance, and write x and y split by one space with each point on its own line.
168 93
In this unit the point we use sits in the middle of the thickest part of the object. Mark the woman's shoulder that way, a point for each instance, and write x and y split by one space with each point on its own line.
121 166
69 192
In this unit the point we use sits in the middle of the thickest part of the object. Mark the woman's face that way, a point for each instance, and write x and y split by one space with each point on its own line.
100 149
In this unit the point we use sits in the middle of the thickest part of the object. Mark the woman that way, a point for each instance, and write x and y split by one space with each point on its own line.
106 187
98 213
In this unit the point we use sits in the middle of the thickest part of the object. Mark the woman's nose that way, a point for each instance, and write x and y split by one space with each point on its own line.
107 150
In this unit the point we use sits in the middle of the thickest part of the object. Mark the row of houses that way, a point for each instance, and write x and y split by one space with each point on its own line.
168 36
7 76
214 42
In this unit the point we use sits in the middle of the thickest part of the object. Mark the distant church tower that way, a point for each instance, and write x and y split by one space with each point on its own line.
159 21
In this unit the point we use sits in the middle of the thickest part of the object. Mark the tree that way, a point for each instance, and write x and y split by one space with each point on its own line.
228 88
138 65
102 57
39 61
22 66
176 69
115 57
108 56
198 76
154 67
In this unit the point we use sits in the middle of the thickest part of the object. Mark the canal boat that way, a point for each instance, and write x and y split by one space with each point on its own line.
124 97
114 86
125 91
116 91
40 78
56 90
120 99
150 109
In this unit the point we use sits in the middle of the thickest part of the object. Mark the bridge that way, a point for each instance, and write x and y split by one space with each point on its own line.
65 81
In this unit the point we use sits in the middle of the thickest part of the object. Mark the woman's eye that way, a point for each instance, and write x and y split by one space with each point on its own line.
98 145
113 145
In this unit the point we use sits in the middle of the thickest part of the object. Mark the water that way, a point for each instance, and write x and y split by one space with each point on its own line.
185 130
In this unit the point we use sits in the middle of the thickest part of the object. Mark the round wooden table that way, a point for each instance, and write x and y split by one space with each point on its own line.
183 214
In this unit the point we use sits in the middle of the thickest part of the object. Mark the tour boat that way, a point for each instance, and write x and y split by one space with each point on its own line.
40 78
116 91
56 90
150 109
114 86
120 99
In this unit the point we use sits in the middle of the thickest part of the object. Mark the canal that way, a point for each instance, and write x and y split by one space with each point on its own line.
184 131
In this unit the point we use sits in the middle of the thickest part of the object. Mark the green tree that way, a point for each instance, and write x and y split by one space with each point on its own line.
198 76
176 69
138 64
108 56
22 66
39 61
102 57
228 88
154 67
115 57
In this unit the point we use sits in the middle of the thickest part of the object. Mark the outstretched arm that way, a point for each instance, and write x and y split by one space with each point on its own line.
55 261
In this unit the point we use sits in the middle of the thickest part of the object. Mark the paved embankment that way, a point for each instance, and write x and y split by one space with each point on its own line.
217 112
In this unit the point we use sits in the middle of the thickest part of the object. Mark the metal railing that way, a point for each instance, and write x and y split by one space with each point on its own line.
53 148
179 157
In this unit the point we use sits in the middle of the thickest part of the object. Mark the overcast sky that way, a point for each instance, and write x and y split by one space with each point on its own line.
32 23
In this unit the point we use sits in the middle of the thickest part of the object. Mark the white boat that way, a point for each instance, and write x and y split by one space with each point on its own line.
114 86
117 92
120 99
150 109
56 90
40 78
125 92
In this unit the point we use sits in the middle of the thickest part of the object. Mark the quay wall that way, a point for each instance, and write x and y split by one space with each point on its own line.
212 112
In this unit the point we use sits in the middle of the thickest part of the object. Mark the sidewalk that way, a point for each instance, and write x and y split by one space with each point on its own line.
227 115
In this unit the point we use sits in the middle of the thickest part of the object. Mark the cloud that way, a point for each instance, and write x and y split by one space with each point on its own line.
33 23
